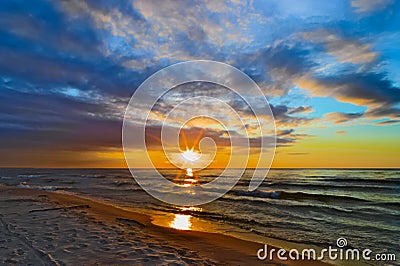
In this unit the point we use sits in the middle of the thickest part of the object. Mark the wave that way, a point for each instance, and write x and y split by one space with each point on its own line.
293 208
333 186
331 182
299 223
93 176
212 216
295 196
119 183
48 188
31 176
360 179
388 204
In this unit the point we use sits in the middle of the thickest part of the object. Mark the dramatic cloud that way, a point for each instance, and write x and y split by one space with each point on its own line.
284 119
68 68
365 89
300 109
345 50
388 122
339 118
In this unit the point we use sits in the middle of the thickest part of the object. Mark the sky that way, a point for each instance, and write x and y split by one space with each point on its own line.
329 70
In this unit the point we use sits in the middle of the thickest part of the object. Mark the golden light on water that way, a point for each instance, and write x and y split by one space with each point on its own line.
192 208
190 181
185 185
181 222
189 172
184 218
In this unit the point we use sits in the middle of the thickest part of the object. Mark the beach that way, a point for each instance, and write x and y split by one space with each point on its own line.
50 228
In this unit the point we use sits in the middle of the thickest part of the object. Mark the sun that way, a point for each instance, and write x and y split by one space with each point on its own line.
190 156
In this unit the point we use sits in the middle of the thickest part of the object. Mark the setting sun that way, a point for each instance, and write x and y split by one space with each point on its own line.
190 155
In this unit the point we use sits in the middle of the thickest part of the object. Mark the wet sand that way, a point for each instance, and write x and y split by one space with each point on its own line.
51 228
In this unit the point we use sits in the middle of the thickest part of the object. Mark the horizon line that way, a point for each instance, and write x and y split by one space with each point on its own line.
248 168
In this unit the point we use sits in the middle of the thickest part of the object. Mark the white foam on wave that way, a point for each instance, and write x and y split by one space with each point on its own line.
48 188
30 176
24 185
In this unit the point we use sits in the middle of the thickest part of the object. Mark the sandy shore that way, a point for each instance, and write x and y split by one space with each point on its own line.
49 228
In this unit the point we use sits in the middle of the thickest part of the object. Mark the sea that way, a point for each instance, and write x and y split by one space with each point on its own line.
292 207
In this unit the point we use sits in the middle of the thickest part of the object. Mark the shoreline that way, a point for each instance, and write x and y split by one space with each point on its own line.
217 247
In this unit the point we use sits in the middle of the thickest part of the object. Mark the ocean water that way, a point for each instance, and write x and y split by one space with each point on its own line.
296 206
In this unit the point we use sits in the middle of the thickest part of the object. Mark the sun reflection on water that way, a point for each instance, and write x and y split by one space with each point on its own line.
184 221
181 222
192 208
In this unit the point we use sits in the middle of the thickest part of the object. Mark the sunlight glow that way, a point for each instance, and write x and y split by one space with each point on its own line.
190 180
190 155
185 185
181 222
191 208
189 172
